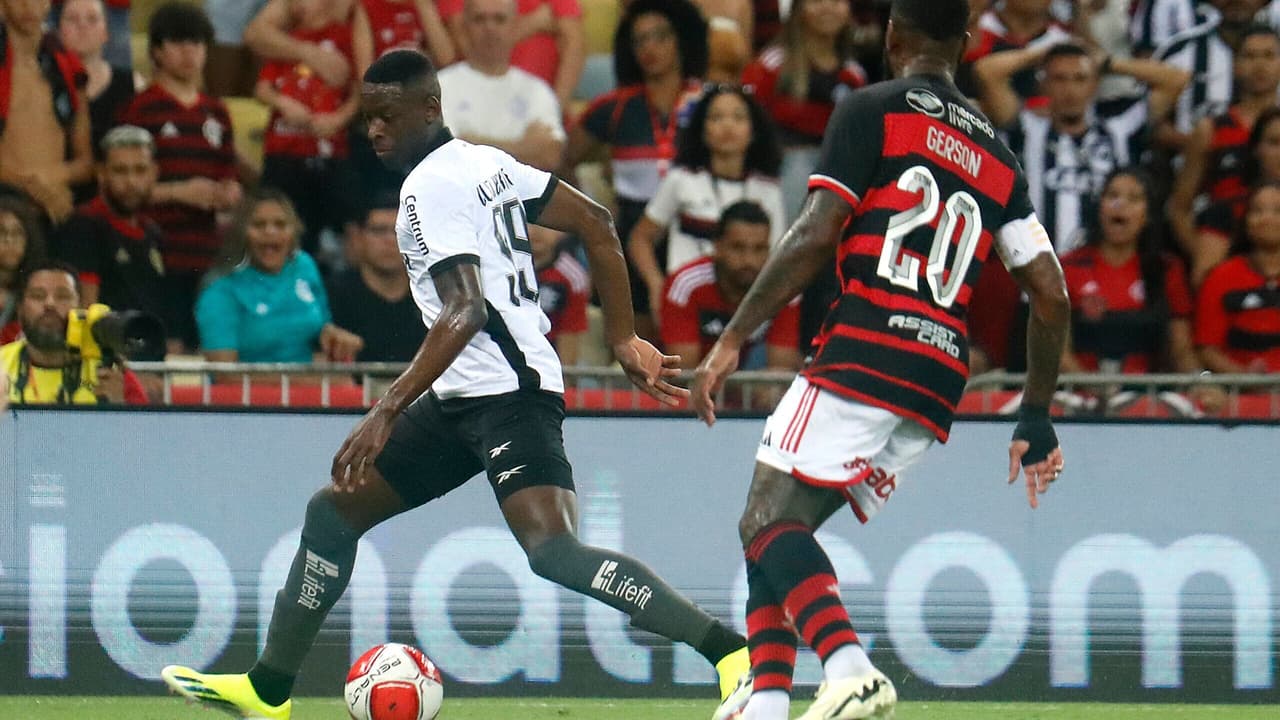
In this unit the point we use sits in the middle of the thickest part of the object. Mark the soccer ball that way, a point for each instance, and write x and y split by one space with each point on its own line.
394 682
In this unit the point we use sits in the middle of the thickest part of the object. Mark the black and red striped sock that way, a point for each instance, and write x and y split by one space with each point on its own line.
770 638
800 573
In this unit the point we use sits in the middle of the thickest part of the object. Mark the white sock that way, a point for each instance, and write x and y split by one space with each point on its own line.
767 705
846 662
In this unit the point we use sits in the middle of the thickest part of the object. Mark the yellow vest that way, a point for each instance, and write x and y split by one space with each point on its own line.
43 386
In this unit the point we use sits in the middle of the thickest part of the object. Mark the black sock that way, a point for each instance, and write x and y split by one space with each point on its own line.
719 642
626 584
273 687
319 575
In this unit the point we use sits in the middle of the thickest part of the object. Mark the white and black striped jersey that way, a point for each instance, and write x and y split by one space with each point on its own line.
1065 172
469 203
1199 50
1156 21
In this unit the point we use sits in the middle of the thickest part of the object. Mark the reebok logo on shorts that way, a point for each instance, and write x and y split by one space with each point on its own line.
495 452
508 474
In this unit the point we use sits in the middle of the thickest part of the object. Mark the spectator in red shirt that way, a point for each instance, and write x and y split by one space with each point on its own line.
551 42
1238 315
1131 302
195 150
702 296
305 149
413 24
799 80
564 289
21 248
1219 224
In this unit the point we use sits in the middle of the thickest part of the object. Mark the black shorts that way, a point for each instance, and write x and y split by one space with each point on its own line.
515 439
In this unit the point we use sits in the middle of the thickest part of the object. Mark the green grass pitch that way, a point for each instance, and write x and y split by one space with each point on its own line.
140 708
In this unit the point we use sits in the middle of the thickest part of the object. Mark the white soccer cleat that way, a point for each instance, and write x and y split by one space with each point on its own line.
865 696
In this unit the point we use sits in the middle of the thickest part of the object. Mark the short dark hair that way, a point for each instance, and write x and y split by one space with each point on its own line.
179 22
48 265
1255 30
381 200
401 67
1068 49
764 154
691 38
938 20
744 211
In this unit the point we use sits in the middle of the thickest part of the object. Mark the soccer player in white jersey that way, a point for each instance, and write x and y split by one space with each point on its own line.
483 394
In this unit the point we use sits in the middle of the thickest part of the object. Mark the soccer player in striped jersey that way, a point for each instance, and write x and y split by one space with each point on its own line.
484 394
913 191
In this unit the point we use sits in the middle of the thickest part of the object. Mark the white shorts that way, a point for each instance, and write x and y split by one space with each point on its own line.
829 441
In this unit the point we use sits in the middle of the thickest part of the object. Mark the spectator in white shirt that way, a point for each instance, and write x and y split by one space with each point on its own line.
728 152
489 102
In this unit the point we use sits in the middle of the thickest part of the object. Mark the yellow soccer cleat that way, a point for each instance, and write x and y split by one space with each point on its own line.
229 693
866 696
734 670
735 702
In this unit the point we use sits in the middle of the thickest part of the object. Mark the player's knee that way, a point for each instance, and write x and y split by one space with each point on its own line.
324 528
548 558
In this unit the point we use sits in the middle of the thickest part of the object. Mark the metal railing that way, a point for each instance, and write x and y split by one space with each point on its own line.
607 388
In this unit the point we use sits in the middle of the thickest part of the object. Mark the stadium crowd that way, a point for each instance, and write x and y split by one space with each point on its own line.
205 162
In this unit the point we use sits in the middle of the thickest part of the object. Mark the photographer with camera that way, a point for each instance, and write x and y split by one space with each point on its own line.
70 356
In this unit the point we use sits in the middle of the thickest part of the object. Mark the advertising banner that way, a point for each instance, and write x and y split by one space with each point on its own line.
129 541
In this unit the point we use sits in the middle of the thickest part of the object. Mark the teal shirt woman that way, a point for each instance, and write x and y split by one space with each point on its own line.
272 307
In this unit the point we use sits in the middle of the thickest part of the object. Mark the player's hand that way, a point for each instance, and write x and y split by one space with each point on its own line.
197 192
649 369
1035 450
340 345
715 368
354 459
229 194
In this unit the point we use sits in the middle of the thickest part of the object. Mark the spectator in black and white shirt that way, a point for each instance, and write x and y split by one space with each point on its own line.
1068 152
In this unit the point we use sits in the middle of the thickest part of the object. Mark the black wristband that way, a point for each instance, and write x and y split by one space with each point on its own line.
1035 427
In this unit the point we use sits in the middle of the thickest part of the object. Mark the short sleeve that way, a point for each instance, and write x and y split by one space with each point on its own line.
218 317
597 118
679 319
546 109
785 330
850 149
439 223
1177 290
1211 322
309 272
535 187
665 203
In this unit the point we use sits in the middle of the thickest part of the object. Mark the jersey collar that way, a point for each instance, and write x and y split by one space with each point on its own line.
443 135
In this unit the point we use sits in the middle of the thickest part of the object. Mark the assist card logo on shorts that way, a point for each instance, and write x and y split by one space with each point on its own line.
926 102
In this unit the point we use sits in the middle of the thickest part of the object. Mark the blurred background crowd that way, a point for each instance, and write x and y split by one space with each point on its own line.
205 162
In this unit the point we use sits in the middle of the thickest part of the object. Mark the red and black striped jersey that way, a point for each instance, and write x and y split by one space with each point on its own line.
191 141
932 188
1228 149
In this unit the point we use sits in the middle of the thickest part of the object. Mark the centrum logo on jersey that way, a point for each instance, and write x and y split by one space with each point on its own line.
411 215
926 102
608 582
314 571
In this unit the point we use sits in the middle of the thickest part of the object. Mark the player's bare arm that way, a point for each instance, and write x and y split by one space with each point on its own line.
1035 445
571 211
463 315
801 254
995 73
